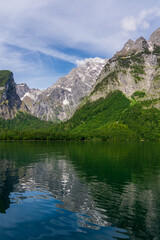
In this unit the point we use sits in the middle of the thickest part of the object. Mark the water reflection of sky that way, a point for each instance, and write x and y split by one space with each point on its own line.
37 215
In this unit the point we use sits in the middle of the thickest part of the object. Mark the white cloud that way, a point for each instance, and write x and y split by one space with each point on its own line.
44 25
133 23
129 24
56 27
145 25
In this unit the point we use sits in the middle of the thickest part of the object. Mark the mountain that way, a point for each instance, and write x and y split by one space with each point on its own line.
135 68
60 101
27 95
124 104
121 103
21 89
10 102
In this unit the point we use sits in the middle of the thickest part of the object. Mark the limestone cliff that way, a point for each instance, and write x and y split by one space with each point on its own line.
60 101
135 68
10 102
27 95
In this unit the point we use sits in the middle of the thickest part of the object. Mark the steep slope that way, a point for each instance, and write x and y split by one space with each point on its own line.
21 89
24 122
61 100
27 95
10 102
135 68
125 101
115 118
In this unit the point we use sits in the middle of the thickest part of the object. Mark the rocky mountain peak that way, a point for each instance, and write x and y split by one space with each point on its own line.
135 68
155 38
128 45
140 45
126 49
27 95
131 47
61 99
21 89
10 102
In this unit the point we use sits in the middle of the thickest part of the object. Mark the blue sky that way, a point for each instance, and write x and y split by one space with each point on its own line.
42 40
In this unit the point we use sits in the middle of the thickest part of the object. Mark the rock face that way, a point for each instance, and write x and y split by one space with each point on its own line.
135 68
155 38
60 101
21 89
27 95
131 47
10 102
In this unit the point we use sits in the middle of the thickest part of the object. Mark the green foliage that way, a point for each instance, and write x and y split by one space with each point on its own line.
134 62
144 122
136 71
156 50
137 58
124 62
158 61
124 71
138 94
116 132
113 76
139 69
4 76
24 121
97 113
106 67
113 118
156 78
146 51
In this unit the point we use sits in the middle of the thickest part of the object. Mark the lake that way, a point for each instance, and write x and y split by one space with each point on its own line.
79 190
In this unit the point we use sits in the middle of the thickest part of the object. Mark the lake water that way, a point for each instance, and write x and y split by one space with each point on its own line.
79 190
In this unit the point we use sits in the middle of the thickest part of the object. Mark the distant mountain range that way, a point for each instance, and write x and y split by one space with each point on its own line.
97 93
60 101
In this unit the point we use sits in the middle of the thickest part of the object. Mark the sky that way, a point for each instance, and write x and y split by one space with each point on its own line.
42 40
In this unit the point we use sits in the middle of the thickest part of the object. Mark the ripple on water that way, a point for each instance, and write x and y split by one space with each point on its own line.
38 215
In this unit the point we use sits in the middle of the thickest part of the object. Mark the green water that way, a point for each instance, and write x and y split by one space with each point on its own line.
79 190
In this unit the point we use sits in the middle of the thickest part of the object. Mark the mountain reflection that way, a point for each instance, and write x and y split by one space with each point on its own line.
105 183
58 177
55 174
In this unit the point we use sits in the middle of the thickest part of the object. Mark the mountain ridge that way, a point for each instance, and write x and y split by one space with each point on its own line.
60 101
123 102
135 68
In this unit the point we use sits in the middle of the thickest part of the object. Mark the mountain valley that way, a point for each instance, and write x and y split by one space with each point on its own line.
115 99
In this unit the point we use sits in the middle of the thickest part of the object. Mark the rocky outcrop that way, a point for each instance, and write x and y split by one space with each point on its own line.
10 102
21 89
27 95
60 101
131 47
155 38
135 68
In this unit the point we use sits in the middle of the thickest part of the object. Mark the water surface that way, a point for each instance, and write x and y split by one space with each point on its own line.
79 190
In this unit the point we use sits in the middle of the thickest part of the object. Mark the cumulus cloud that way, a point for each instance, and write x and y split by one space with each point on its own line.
129 24
133 23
